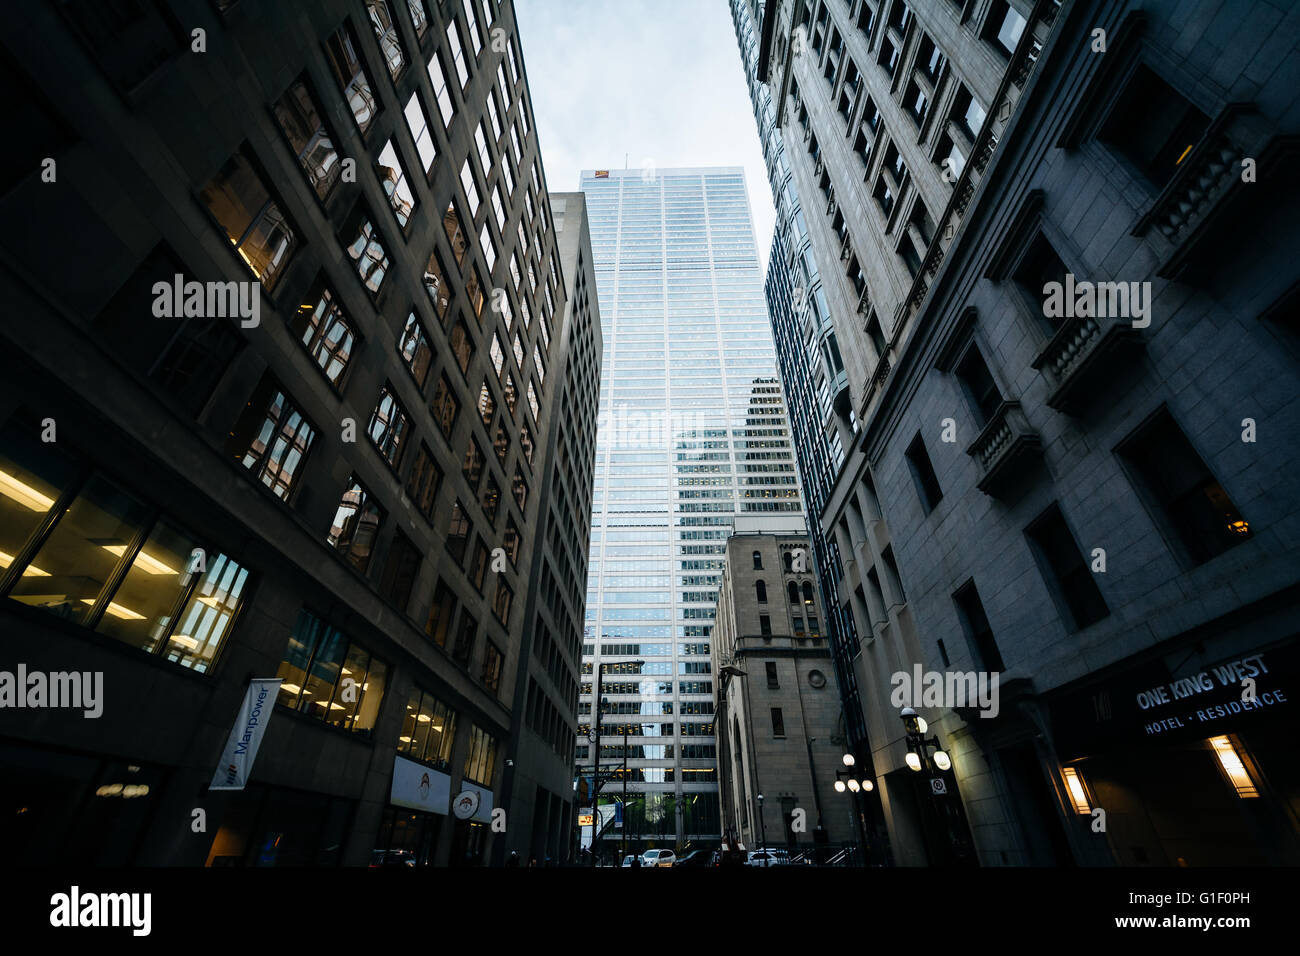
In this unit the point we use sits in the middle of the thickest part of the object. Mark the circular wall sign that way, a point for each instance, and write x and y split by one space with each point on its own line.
817 679
466 804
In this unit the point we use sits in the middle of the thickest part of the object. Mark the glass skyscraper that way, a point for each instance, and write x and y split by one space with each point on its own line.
693 432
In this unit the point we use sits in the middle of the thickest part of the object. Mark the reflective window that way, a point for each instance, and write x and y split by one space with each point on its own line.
271 438
413 346
458 532
325 332
300 120
365 248
444 407
435 284
344 54
455 235
356 526
392 176
388 426
422 484
457 55
493 661
462 346
381 21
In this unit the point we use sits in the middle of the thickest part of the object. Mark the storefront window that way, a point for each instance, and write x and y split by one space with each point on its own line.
160 573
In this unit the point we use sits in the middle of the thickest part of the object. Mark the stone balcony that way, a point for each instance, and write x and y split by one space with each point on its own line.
1085 352
1006 449
1208 188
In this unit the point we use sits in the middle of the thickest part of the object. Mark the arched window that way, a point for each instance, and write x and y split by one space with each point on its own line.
793 590
760 589
786 560
758 561
807 592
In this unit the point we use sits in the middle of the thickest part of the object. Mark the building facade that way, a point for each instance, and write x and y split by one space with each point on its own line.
777 707
287 346
1074 498
693 433
546 693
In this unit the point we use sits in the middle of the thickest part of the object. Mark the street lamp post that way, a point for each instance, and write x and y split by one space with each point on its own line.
846 779
920 758
594 737
762 826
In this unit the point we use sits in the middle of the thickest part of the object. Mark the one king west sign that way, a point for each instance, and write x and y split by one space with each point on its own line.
246 735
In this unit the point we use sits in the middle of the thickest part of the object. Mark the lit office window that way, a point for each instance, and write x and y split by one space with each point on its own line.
480 761
255 225
328 677
428 730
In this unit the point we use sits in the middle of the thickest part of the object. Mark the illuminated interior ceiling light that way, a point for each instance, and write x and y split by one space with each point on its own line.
117 610
1184 155
31 570
109 790
1078 796
1234 767
291 688
1239 526
213 602
406 740
24 494
184 640
146 562
337 707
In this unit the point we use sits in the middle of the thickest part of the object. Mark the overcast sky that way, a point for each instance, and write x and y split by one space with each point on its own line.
625 82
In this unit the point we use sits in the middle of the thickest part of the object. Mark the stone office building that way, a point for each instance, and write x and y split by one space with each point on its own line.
287 337
1093 500
778 718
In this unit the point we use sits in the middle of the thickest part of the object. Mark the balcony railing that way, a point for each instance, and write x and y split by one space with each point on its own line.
1005 449
1206 184
1083 352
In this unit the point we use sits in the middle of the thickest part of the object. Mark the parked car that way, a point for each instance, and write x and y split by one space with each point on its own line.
658 858
768 857
627 860
696 858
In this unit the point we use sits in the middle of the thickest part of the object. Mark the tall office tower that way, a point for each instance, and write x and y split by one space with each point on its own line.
546 693
693 433
284 351
1078 500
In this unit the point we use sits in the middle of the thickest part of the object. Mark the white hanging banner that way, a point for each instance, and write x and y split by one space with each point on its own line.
246 736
